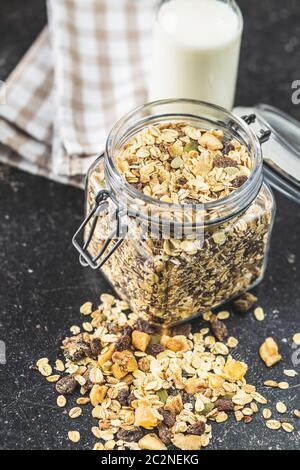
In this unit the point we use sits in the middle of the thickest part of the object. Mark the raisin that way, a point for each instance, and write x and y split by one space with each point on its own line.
181 181
66 385
219 328
224 162
183 329
130 435
125 341
228 147
164 434
95 346
155 349
169 419
146 327
224 404
131 398
239 181
173 391
123 396
76 349
196 429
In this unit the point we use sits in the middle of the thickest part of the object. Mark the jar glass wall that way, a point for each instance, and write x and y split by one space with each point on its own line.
174 264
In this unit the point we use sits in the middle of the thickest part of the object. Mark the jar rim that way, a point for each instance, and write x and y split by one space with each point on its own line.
237 200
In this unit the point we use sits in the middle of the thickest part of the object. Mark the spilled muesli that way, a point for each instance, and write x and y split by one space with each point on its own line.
149 388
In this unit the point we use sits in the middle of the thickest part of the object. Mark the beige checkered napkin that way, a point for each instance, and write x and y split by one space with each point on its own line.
74 83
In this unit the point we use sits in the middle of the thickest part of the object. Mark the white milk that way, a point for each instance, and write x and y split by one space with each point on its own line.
196 51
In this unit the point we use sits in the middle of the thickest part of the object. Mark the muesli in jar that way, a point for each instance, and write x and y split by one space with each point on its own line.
182 174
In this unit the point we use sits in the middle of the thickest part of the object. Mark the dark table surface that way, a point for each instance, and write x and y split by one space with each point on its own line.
42 284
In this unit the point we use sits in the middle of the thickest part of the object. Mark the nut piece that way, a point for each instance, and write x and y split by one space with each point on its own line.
234 370
174 404
187 442
269 353
97 394
194 385
140 340
175 343
151 442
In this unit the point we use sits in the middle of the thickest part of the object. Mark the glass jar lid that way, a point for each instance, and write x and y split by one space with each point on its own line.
281 153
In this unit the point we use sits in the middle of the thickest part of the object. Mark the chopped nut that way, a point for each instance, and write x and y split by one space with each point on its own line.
174 404
269 352
151 442
194 385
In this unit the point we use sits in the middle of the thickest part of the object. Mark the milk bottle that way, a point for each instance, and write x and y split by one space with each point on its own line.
196 51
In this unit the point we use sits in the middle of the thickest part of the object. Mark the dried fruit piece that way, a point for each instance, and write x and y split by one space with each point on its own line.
184 329
175 343
194 385
124 362
97 394
223 404
125 341
168 417
140 340
234 370
155 349
147 417
145 326
164 433
162 395
197 429
151 442
244 303
269 352
95 346
66 385
187 442
219 328
130 435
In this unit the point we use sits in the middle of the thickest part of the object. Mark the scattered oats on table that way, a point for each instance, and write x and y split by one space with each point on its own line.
163 388
296 339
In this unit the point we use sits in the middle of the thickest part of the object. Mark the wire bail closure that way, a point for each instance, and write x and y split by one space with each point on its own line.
85 257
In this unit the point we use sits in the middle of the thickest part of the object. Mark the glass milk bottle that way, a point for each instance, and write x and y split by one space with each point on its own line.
196 51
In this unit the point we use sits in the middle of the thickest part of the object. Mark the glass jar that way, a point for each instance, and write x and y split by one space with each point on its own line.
171 262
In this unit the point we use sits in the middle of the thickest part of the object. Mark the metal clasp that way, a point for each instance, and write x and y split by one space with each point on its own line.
265 134
85 257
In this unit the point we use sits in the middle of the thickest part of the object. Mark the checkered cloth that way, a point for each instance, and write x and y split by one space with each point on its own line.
85 70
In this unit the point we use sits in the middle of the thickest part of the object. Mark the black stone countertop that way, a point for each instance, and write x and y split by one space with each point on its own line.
42 284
